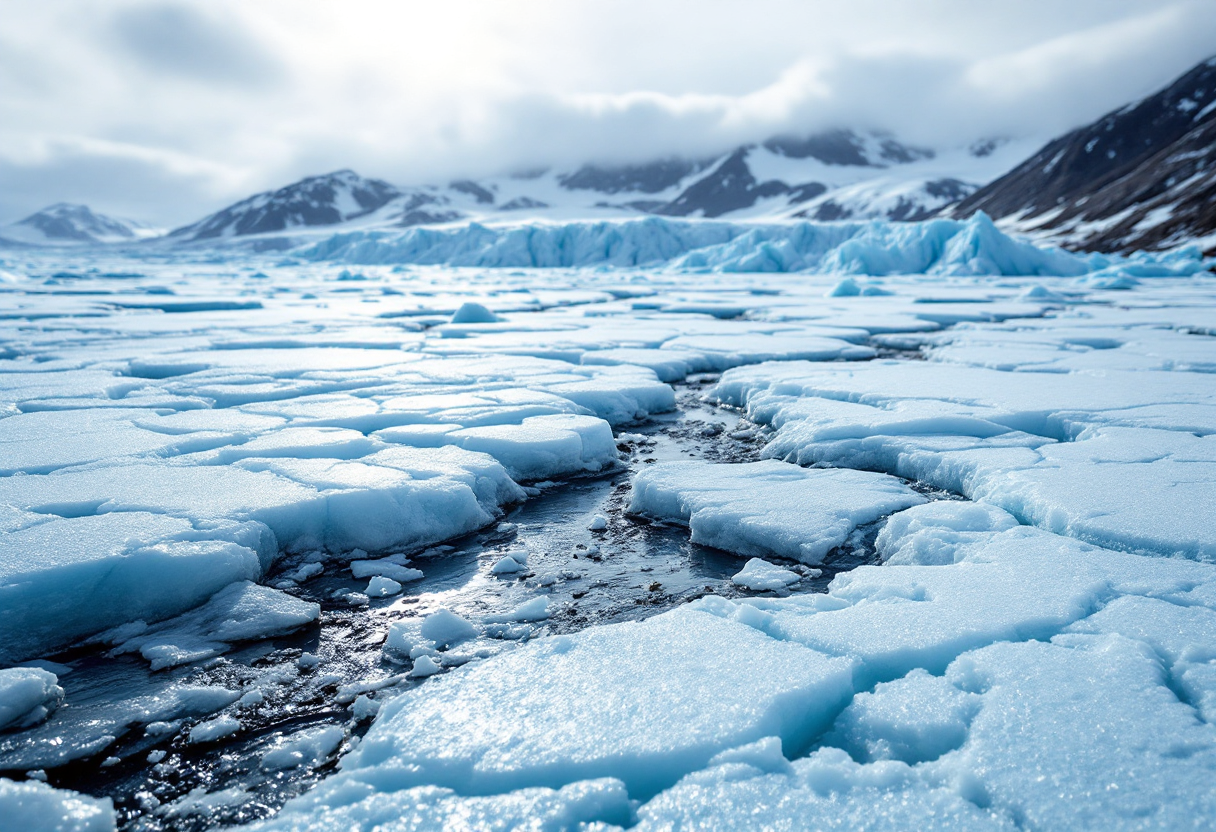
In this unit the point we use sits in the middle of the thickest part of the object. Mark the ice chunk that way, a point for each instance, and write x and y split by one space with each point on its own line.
381 587
308 571
759 574
767 508
214 729
445 628
364 707
64 579
385 568
36 807
309 747
535 610
403 639
425 666
28 695
473 313
240 612
845 288
507 565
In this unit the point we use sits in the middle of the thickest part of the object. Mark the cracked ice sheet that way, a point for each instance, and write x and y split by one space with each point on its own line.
1033 633
1078 733
761 509
303 484
62 579
1074 344
995 436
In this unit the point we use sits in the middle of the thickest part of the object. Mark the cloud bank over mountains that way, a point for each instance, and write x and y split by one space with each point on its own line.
165 110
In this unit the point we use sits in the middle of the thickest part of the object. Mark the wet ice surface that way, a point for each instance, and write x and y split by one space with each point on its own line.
334 413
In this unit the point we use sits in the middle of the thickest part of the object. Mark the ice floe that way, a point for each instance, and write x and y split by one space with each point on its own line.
37 807
768 508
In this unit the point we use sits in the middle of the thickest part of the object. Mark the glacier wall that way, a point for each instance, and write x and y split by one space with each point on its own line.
933 247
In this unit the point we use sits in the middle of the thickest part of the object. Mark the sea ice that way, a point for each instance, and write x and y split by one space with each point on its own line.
381 587
1030 443
214 729
365 809
445 628
308 747
28 695
767 508
36 807
643 702
758 574
241 612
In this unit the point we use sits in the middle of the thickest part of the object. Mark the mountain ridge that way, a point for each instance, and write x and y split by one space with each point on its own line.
71 224
783 177
1140 177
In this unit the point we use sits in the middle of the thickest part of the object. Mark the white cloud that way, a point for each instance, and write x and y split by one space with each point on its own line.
167 110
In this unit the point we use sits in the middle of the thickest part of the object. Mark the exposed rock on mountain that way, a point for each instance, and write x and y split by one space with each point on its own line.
840 174
318 200
1143 176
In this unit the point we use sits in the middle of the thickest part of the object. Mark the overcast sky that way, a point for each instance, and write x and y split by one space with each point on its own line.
165 110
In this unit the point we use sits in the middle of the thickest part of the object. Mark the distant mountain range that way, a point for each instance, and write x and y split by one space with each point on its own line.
1143 177
828 176
64 224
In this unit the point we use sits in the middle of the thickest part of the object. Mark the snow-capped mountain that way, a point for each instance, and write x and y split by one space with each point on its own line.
1142 177
316 201
827 176
64 224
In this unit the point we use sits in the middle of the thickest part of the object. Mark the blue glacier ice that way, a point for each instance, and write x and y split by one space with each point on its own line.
972 247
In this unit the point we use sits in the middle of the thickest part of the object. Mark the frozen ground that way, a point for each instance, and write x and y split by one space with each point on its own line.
406 546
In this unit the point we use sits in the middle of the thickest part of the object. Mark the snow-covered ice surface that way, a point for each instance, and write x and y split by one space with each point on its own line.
338 546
